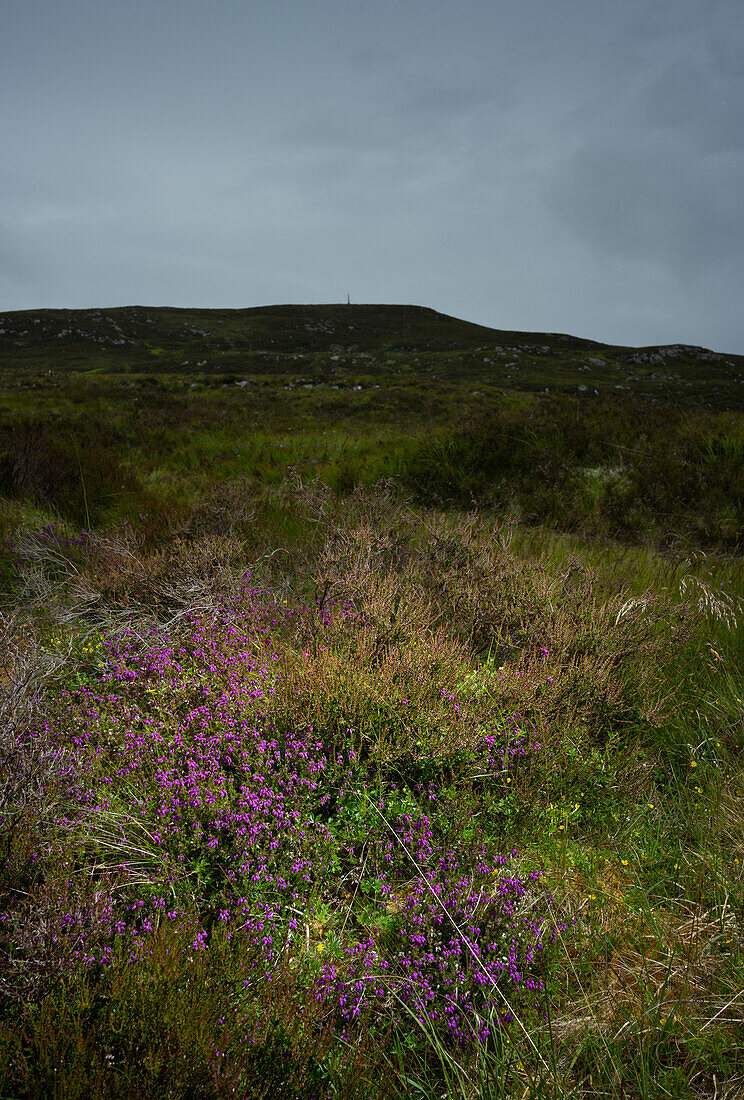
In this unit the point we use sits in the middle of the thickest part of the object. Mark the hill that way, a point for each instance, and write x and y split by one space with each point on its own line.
132 412
313 343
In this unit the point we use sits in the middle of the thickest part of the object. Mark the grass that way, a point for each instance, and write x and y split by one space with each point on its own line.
614 469
458 737
458 414
312 787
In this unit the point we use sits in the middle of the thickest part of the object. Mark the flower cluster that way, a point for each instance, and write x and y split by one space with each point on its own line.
201 804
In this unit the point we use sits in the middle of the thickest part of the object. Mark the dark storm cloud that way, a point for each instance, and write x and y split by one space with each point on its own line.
573 166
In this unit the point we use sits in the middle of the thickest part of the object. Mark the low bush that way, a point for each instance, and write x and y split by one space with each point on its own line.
614 468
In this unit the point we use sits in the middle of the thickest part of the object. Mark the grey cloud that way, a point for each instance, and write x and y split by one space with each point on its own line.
372 57
705 109
651 201
18 266
443 98
574 166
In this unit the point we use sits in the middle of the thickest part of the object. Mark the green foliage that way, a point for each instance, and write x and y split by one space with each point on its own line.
594 643
616 468
175 1024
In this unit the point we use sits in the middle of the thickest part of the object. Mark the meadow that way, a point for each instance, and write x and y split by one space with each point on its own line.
372 718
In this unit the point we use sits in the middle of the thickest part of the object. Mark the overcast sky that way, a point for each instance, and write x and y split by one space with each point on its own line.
549 165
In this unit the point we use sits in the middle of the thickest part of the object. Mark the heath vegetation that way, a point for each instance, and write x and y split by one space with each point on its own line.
366 742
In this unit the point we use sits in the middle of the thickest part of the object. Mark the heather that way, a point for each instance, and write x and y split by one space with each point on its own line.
371 710
417 803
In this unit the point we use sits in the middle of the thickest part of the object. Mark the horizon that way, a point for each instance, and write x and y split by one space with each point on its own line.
571 169
370 305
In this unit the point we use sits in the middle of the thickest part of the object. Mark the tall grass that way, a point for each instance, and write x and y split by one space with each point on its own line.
610 468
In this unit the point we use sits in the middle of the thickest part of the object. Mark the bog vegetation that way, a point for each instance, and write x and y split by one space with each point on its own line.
372 726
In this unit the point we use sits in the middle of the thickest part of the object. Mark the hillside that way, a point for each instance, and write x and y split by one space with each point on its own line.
371 692
313 344
131 412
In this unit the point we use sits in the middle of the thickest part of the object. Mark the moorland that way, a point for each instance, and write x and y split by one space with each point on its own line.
372 717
